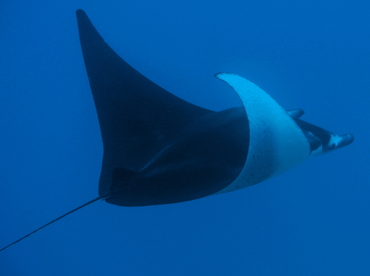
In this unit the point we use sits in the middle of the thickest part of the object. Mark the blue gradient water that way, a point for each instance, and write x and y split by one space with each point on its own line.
312 220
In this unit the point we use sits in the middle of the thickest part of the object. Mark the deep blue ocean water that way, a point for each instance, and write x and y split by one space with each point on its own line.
312 220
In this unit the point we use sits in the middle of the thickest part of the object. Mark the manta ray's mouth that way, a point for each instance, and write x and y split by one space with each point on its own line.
323 141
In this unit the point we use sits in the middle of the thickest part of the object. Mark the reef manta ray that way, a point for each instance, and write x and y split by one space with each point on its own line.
160 149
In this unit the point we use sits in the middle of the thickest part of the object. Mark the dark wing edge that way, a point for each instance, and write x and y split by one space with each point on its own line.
137 117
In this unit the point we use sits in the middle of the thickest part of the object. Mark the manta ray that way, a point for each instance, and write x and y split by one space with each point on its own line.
160 149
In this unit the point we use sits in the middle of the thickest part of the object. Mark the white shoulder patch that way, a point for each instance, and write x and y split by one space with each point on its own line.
276 142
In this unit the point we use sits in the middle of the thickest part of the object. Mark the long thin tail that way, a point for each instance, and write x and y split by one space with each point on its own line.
62 216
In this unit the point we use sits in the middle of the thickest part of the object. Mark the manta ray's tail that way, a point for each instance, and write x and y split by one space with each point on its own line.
54 220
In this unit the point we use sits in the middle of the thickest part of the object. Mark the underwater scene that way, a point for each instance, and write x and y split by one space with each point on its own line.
184 137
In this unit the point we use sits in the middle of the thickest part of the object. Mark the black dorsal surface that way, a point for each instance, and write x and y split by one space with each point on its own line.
137 117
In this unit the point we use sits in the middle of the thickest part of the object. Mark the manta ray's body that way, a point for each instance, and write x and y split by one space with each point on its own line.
160 149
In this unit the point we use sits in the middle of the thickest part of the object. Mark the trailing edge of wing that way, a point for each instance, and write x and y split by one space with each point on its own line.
137 117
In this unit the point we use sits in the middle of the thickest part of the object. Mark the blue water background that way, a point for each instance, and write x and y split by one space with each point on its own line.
312 220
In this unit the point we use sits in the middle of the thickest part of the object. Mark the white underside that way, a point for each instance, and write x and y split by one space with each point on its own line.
276 142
